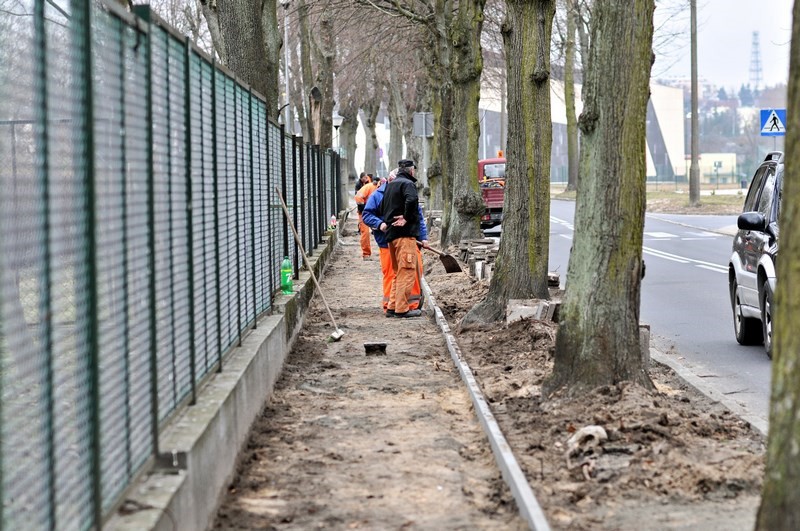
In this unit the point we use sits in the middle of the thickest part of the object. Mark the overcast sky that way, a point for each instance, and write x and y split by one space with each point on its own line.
724 40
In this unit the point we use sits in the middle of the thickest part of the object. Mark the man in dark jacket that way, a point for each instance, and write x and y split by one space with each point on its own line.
401 224
371 217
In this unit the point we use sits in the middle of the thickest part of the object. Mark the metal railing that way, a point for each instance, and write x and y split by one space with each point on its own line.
140 237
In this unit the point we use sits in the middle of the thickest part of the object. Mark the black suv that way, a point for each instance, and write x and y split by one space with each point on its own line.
751 273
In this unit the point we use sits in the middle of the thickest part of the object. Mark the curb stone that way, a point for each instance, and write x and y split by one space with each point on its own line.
513 475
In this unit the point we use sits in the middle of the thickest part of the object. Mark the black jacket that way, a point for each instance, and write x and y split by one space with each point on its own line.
399 198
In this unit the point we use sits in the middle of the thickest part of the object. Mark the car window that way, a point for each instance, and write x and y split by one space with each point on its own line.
767 193
752 193
780 194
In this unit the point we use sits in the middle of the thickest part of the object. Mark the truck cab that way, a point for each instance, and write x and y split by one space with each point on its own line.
492 182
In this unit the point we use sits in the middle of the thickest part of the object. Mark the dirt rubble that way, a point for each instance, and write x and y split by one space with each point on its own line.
390 441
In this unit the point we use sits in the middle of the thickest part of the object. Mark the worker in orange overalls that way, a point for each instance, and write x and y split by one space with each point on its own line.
401 222
361 200
372 218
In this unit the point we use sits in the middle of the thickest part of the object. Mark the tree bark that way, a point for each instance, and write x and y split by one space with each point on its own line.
370 110
209 9
780 498
327 64
463 201
569 97
397 114
347 136
520 270
306 71
250 43
598 337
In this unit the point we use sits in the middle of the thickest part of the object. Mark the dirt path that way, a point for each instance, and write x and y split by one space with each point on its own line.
391 441
351 440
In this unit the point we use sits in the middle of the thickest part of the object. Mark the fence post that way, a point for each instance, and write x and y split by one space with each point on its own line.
252 206
82 38
215 159
170 254
302 183
45 298
124 216
283 189
297 201
187 105
237 213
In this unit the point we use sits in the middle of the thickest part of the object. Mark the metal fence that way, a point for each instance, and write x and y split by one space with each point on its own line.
140 237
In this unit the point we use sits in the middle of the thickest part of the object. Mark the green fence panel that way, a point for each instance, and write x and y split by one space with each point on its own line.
140 239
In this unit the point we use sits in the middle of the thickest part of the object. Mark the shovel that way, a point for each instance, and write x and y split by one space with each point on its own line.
450 264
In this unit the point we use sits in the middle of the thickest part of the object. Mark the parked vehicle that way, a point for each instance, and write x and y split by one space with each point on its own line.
492 181
751 272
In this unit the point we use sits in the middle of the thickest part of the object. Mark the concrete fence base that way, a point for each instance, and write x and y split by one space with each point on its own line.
200 446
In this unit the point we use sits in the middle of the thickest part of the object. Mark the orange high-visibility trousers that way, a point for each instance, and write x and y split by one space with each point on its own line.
405 263
388 280
366 250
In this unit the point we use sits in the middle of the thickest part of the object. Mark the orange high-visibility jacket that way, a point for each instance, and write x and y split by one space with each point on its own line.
364 192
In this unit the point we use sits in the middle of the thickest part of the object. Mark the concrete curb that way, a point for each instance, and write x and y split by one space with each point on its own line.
205 439
529 507
700 386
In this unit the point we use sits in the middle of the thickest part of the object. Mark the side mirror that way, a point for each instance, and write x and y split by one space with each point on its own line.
752 221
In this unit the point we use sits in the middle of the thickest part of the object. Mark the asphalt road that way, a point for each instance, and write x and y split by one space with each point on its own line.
685 300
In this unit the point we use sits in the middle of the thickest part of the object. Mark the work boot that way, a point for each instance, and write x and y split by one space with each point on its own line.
390 313
409 313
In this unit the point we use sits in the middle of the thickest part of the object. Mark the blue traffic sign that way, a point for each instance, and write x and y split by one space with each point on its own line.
773 122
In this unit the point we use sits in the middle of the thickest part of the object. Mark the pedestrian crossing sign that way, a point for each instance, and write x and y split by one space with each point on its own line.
773 122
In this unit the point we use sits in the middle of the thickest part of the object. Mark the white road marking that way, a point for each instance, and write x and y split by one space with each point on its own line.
660 235
716 269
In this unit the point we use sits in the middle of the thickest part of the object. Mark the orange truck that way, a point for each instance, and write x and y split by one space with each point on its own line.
492 181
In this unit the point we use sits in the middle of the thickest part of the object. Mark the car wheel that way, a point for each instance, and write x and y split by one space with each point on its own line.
748 330
767 306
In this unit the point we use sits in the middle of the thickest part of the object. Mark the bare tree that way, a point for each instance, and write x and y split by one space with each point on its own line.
246 38
780 498
521 270
598 336
571 16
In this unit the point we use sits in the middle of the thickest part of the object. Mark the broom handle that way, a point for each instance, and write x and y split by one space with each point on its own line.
305 258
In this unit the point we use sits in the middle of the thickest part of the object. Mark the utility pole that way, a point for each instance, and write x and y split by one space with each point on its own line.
694 169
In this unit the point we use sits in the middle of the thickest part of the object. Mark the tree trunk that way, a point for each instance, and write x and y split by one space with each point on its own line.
397 114
598 337
347 136
209 9
520 271
250 42
463 202
370 110
325 77
305 66
780 498
569 98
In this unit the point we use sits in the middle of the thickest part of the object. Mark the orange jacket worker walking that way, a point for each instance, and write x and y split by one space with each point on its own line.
401 222
361 199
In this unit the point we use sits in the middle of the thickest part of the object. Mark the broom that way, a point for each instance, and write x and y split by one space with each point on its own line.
337 332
